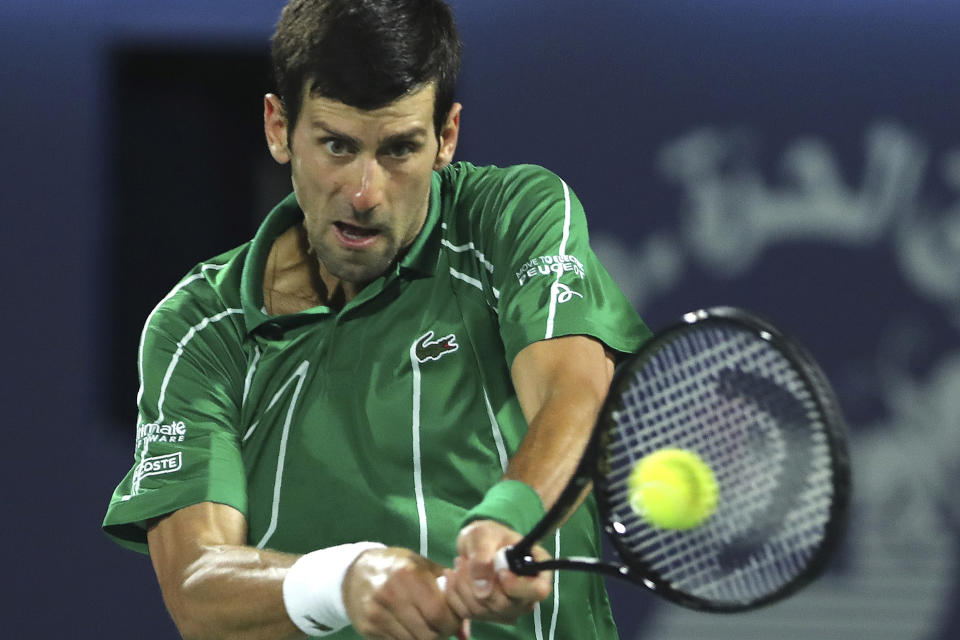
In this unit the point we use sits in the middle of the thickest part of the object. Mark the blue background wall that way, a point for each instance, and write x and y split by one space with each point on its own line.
797 158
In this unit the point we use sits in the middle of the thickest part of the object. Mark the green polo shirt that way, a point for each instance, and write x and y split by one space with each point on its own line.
386 420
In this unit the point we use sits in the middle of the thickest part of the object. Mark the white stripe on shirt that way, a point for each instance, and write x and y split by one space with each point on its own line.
555 287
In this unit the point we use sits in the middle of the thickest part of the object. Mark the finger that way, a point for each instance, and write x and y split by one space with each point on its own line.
383 624
484 600
402 608
409 623
496 607
536 587
479 567
477 548
427 607
437 614
523 588
460 594
452 594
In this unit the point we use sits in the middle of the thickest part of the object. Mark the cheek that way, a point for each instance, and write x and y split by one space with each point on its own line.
297 176
415 206
416 186
312 183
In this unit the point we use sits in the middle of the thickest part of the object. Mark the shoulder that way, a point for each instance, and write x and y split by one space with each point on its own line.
208 293
466 180
502 200
493 195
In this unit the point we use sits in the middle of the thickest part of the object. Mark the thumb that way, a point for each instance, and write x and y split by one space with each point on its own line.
479 565
482 582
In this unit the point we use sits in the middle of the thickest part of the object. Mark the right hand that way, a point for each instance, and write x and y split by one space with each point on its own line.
392 594
478 591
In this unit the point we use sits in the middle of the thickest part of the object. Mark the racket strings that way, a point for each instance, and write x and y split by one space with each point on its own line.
740 404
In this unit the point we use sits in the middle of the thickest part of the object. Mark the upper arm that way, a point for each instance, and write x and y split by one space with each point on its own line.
188 433
573 369
546 279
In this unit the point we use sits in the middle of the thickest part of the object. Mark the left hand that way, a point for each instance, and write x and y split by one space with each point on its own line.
476 591
392 594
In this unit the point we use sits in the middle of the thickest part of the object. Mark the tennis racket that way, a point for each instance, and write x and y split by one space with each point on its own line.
756 408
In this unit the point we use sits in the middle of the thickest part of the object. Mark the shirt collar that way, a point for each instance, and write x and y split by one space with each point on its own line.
283 216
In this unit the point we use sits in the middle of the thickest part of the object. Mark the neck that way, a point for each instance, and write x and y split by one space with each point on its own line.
336 291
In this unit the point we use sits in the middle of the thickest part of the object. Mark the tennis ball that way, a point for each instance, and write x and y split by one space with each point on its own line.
672 489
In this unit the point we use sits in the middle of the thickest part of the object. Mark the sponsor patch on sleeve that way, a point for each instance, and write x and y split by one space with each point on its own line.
158 465
546 265
153 432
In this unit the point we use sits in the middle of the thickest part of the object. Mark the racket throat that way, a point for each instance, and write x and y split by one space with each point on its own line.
584 563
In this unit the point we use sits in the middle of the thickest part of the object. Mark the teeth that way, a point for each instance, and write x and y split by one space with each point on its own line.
356 233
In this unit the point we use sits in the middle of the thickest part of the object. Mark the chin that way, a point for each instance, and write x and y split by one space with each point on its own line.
359 273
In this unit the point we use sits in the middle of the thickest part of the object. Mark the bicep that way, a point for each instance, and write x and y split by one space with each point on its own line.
575 368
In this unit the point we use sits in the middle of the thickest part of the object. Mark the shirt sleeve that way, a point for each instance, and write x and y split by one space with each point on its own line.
187 444
550 281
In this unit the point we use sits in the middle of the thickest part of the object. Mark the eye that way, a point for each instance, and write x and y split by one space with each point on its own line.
400 150
336 147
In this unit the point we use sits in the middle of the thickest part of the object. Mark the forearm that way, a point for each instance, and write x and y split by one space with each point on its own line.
555 441
231 591
561 385
560 416
214 585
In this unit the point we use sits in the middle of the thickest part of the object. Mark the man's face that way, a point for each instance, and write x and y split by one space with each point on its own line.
361 177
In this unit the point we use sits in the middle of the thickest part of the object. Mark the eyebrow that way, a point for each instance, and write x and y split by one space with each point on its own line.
403 136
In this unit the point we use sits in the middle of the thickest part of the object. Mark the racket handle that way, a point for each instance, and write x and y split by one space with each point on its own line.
500 561
442 583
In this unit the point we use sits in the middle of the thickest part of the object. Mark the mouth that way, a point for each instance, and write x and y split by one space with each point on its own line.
354 237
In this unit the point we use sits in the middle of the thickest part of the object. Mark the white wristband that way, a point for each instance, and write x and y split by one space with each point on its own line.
313 588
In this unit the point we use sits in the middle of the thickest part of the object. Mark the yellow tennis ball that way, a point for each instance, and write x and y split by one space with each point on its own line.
673 489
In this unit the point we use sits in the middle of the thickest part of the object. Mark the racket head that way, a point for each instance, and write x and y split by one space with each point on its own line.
754 405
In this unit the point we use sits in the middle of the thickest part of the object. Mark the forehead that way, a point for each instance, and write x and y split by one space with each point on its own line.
408 111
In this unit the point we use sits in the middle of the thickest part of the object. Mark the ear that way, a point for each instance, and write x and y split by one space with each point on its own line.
448 137
275 127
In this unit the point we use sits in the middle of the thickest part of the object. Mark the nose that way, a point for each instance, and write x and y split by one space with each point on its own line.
368 193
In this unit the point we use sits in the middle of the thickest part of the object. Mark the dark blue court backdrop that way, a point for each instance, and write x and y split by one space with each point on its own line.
801 159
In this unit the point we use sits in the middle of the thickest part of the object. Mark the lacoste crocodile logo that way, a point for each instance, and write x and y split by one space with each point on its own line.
427 348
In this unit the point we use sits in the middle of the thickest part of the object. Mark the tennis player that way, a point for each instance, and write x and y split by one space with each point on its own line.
393 378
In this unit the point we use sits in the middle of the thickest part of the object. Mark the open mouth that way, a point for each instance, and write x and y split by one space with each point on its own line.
354 236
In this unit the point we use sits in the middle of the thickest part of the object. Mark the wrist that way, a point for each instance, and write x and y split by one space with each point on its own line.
313 588
510 502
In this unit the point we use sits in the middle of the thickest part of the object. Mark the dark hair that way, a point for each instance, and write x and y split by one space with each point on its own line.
365 53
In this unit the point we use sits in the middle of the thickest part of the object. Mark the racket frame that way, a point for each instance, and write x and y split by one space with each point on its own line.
634 568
